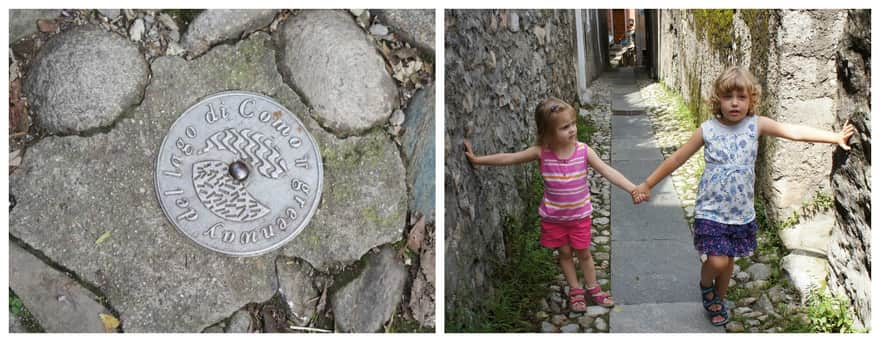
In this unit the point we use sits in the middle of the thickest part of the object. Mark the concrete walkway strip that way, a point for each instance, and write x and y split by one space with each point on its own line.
661 318
655 269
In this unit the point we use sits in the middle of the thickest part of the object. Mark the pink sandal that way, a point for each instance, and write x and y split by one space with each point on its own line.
600 298
577 300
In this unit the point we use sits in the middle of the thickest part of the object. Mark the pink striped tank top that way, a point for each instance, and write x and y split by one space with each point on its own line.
566 186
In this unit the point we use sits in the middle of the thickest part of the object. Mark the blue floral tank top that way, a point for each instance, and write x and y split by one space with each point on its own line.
727 188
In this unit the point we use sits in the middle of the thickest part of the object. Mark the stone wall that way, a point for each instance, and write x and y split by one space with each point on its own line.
850 247
806 88
793 60
499 65
813 73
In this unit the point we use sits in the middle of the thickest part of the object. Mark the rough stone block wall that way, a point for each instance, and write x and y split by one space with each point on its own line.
796 72
850 247
806 93
499 65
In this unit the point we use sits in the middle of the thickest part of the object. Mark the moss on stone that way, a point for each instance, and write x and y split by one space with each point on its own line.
716 25
758 22
371 213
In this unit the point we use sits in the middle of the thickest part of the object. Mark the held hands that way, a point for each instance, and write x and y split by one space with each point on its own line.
847 132
641 193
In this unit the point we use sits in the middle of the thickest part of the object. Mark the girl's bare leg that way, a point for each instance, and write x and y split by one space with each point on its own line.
711 271
722 282
717 269
587 266
567 264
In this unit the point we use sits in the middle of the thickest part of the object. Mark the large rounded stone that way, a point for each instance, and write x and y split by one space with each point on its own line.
759 271
215 26
813 235
85 78
805 272
328 59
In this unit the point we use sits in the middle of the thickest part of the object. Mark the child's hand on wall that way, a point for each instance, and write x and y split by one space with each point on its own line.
847 132
469 153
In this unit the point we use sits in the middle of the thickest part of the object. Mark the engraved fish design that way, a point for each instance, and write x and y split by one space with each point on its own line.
251 146
223 195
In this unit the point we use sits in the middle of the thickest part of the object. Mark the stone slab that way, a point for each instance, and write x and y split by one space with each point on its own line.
414 25
683 317
367 302
418 151
637 170
654 271
812 235
630 126
660 218
635 148
213 26
57 301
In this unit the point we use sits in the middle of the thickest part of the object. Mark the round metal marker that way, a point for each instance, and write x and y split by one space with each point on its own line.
239 174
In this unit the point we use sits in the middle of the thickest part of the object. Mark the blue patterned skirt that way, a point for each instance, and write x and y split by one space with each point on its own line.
714 238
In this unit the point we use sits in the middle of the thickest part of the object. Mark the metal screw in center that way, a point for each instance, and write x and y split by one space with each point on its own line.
239 171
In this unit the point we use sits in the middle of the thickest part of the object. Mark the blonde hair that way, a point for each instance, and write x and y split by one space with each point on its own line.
544 112
735 78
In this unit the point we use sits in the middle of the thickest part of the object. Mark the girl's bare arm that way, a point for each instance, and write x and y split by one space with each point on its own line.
614 176
500 159
673 162
768 126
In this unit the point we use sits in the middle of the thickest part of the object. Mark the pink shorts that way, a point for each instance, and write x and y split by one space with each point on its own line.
576 234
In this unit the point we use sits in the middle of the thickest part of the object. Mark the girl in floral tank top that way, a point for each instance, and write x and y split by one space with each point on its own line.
565 208
724 225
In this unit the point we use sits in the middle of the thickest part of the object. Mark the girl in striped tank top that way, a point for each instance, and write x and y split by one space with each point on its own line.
565 209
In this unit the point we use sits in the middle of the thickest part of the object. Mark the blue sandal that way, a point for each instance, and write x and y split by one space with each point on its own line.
709 302
721 312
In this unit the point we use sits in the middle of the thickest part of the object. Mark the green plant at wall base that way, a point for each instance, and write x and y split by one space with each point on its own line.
585 128
792 320
819 203
15 306
828 313
680 109
399 323
520 280
769 242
